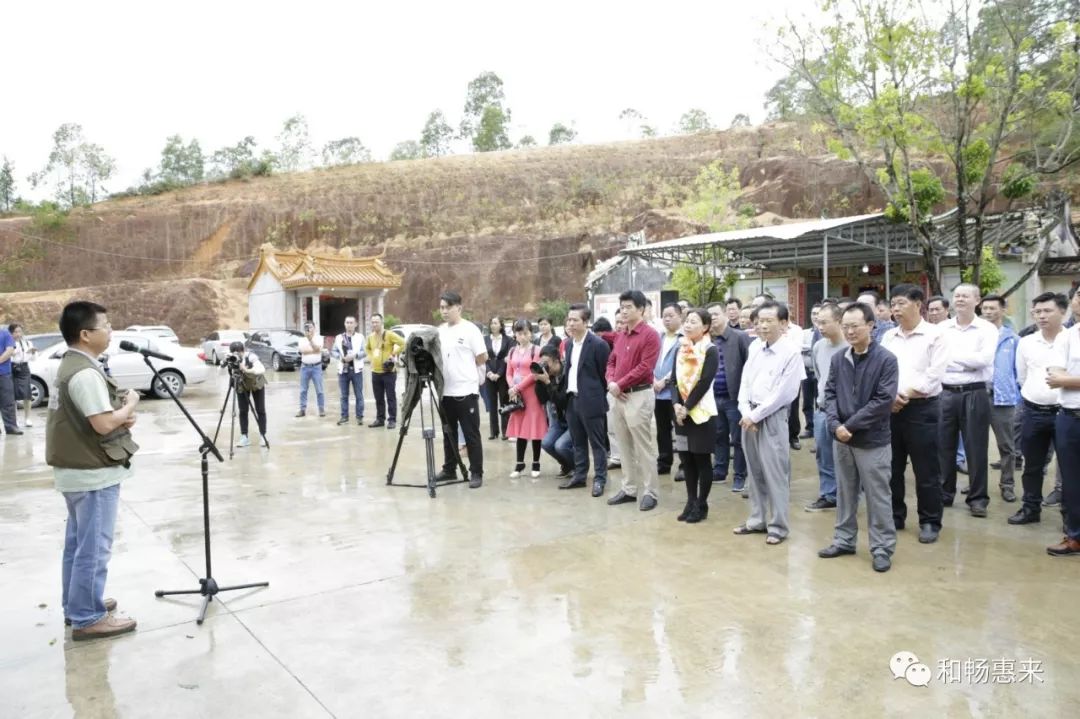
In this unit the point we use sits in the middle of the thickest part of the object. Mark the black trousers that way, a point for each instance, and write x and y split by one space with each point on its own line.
664 415
965 414
698 473
258 399
1036 439
498 395
462 412
384 385
793 421
587 433
915 434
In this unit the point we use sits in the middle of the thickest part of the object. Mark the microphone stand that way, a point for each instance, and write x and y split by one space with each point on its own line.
208 586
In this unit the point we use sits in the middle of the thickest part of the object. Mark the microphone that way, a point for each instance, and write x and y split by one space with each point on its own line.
132 347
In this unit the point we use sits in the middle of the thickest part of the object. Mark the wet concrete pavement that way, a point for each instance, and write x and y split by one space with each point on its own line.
513 600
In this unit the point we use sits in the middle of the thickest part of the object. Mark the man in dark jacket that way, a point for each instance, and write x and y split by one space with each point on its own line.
585 361
732 345
859 396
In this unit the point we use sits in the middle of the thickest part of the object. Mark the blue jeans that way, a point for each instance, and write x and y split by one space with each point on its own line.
728 437
311 373
823 441
558 443
961 457
356 380
87 548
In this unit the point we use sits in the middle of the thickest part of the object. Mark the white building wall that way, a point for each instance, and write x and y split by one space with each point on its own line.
266 303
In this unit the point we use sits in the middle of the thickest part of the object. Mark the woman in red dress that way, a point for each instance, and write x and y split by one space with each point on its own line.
529 423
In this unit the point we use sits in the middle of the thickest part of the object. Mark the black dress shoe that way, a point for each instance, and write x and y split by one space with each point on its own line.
493 436
995 465
927 534
648 502
946 502
1025 516
598 488
834 550
663 470
376 423
572 483
882 562
621 498
695 515
978 511
391 424
806 434
444 476
14 431
1008 494
686 511
680 476
796 444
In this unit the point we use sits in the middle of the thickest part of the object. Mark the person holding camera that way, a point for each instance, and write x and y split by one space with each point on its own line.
349 349
248 376
528 422
382 349
311 371
557 442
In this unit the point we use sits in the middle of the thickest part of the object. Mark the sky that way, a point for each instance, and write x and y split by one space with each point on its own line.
134 73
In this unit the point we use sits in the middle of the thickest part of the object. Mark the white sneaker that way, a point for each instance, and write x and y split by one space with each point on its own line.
244 441
29 423
535 473
515 474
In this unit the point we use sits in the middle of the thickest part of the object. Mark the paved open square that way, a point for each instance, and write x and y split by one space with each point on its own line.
513 600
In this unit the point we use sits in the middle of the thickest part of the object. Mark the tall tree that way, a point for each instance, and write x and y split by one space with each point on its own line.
485 90
491 133
79 168
294 145
181 164
694 120
436 136
561 134
7 185
740 120
346 151
240 160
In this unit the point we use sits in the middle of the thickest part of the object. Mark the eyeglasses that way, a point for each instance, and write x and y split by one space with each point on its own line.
106 326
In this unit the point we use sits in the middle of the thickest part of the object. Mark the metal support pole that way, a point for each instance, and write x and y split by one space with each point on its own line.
825 266
888 279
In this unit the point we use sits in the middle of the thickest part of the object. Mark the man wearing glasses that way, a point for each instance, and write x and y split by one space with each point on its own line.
89 446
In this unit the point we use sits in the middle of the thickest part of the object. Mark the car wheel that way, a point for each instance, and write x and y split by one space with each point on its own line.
214 359
38 392
275 362
175 382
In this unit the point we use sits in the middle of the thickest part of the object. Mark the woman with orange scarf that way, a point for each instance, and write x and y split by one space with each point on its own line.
695 411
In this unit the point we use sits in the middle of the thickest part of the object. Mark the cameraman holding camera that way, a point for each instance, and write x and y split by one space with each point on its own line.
383 348
557 442
247 374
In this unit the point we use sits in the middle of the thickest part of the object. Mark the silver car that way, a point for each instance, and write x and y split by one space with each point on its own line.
216 344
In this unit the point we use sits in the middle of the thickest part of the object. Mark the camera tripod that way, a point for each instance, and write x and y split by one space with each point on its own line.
208 586
427 427
233 391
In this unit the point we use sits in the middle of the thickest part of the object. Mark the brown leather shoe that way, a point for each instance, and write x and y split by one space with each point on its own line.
1066 548
110 606
108 626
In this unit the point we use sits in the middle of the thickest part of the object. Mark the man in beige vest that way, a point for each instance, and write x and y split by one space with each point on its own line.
88 444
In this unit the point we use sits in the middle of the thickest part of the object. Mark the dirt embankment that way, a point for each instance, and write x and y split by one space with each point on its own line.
508 228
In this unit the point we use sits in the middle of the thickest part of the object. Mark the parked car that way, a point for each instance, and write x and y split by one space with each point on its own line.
404 331
127 368
161 331
216 344
280 349
44 341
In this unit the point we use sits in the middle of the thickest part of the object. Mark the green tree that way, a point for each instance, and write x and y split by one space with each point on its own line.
991 278
485 90
694 120
712 198
740 120
7 185
240 160
79 168
346 151
407 150
636 123
181 164
295 151
527 141
700 286
491 134
561 134
436 136
555 310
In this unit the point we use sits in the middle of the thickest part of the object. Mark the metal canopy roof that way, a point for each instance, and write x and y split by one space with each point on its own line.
849 240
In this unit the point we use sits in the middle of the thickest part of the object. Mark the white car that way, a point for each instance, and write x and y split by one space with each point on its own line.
216 344
162 332
405 331
127 368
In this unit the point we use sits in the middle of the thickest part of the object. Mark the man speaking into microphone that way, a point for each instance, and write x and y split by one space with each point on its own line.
89 446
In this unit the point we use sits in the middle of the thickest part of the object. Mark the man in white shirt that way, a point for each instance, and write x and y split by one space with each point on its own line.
463 352
921 356
971 343
349 349
1066 377
311 372
1035 354
770 382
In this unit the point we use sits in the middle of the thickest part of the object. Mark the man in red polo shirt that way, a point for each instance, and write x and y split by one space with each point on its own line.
630 384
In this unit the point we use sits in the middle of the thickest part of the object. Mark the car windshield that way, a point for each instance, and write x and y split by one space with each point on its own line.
232 335
285 338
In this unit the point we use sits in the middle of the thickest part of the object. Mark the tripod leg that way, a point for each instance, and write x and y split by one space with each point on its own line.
205 605
170 592
243 586
221 416
397 452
